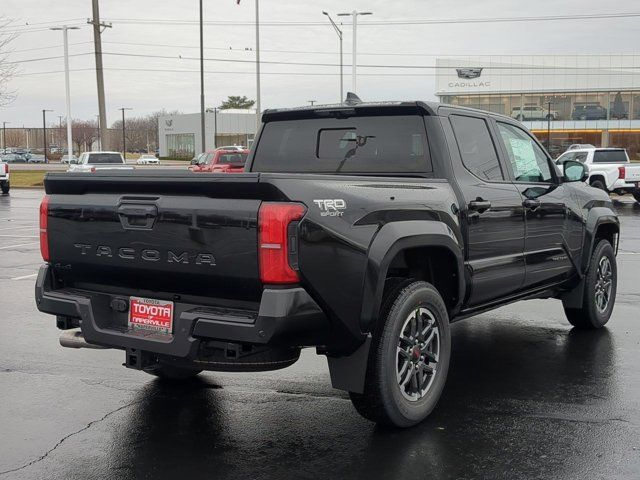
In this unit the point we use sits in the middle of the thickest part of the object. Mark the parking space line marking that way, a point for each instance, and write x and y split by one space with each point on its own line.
19 245
35 227
23 277
20 236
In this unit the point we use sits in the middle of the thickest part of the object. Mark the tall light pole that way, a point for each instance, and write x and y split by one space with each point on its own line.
4 137
65 38
202 132
258 63
354 14
124 144
339 32
44 132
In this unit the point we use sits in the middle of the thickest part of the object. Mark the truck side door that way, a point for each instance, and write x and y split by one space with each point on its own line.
493 212
552 217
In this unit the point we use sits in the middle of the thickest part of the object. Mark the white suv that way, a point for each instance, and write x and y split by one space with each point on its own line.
533 112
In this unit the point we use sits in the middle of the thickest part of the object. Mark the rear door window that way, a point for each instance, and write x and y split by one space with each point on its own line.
476 147
100 158
359 144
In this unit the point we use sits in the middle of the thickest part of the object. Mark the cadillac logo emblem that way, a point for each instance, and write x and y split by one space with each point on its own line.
168 123
469 73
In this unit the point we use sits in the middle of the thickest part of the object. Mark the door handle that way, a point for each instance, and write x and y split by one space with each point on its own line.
479 205
531 204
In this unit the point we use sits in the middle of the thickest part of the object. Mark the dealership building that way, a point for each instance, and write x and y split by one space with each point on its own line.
179 136
562 99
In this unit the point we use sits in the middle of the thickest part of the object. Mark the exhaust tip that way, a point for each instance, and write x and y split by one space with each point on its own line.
75 339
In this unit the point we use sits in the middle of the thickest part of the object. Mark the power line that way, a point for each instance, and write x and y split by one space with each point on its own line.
29 60
47 48
594 16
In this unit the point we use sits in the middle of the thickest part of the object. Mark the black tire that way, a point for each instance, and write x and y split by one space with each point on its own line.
599 184
5 188
384 400
171 372
636 195
590 315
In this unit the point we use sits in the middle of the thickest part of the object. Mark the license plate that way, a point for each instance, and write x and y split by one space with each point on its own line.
151 314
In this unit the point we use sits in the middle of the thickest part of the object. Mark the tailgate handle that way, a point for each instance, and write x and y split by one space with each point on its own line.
137 217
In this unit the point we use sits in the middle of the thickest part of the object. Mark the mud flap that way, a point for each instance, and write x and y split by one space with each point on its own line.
349 372
574 298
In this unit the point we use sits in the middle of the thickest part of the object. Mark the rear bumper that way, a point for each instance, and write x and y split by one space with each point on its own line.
285 317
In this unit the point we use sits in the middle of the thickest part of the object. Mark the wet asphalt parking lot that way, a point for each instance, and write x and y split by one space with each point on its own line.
527 397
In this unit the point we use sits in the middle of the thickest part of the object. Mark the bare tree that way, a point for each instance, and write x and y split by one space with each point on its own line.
141 133
84 133
7 68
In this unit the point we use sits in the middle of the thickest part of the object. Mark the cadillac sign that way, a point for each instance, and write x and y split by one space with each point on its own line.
469 73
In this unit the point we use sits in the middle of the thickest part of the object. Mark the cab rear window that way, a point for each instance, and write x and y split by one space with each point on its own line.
360 144
609 156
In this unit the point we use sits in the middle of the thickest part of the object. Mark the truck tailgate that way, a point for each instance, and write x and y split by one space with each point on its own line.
632 173
187 237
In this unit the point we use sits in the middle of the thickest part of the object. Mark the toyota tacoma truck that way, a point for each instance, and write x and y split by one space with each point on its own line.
361 229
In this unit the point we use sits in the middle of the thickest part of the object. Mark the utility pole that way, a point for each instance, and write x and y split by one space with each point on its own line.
339 32
98 28
4 137
44 133
549 126
354 14
202 124
65 38
124 144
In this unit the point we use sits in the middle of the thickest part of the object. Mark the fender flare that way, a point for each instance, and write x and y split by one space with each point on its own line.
389 241
597 217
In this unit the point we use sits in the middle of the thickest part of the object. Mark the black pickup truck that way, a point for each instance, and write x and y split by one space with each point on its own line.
360 229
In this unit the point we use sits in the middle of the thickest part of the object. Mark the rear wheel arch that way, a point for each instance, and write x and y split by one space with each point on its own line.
413 251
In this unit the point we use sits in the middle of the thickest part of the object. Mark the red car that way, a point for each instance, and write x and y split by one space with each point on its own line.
221 161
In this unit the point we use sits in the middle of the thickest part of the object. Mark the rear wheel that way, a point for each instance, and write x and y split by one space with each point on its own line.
171 372
636 195
409 357
600 286
5 188
598 184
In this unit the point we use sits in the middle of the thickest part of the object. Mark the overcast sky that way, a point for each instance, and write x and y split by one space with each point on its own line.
147 84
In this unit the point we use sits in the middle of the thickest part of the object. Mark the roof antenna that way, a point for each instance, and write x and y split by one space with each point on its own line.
352 99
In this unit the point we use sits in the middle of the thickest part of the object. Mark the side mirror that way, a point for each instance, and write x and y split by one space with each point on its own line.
575 171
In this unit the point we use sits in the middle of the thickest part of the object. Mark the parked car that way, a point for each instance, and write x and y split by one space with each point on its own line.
239 148
533 112
362 230
589 112
608 168
36 159
69 159
575 146
147 159
5 184
13 158
221 161
92 161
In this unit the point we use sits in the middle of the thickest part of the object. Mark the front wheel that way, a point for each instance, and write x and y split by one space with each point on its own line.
409 357
600 286
636 195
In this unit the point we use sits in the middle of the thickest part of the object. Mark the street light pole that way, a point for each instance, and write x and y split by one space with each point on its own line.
258 63
354 14
549 125
202 124
65 38
44 132
339 32
124 141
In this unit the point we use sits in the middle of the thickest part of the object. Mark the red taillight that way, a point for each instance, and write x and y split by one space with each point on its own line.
274 242
6 168
621 173
44 223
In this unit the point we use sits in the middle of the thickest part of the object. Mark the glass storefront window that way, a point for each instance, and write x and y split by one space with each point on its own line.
630 140
561 140
619 106
634 108
181 145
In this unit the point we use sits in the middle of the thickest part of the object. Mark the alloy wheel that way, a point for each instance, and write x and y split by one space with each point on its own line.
418 352
604 283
